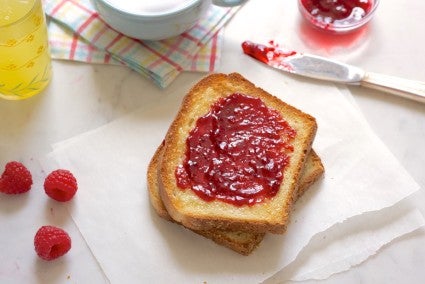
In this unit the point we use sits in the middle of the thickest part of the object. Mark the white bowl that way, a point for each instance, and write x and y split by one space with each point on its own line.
153 19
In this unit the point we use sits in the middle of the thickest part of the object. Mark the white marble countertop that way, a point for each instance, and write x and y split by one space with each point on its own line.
82 97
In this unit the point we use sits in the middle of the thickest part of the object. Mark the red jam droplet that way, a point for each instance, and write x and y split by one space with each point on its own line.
237 152
338 11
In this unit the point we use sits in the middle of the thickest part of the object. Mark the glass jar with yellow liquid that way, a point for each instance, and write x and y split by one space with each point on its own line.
25 64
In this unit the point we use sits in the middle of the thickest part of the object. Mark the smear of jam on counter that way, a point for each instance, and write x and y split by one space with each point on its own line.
271 54
333 11
237 152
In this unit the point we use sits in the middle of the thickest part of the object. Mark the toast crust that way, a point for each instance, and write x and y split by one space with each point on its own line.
239 241
186 207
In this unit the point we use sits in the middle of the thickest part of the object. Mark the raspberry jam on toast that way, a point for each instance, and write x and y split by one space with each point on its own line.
237 152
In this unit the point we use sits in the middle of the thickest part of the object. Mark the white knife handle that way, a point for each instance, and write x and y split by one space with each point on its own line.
414 90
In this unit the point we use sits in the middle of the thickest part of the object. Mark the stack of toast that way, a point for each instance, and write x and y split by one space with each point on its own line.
238 227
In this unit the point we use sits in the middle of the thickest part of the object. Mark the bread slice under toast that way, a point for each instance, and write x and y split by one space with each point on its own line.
239 241
184 206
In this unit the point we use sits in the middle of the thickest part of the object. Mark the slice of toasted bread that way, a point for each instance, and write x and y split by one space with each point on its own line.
239 241
184 206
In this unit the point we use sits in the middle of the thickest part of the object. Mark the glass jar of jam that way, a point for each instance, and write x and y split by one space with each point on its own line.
338 16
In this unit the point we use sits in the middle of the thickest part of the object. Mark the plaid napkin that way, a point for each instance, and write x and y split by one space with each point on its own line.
76 32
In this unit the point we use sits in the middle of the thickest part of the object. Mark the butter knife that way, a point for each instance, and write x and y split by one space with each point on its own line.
321 68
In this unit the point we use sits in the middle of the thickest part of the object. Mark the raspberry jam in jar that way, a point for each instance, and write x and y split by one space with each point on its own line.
237 152
338 15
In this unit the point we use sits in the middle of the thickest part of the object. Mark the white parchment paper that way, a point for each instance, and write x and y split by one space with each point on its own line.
350 243
132 244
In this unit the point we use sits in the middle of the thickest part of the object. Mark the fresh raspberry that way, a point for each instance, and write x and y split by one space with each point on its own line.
60 185
15 179
51 242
